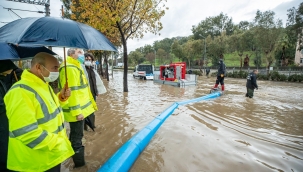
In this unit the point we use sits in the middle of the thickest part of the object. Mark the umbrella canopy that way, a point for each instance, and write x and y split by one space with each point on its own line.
13 52
56 32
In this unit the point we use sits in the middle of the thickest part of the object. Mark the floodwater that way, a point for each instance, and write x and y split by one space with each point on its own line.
229 133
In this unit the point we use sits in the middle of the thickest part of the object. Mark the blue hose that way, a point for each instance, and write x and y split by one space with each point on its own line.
124 158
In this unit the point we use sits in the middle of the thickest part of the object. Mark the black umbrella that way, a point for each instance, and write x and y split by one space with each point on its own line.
55 32
14 53
89 123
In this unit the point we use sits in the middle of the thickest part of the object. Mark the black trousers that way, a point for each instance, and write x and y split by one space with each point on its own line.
91 117
4 134
220 80
55 169
76 134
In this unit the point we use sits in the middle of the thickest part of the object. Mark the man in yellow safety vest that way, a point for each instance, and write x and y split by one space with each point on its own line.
37 136
81 102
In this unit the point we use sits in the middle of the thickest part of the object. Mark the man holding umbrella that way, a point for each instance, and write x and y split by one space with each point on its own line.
37 137
81 102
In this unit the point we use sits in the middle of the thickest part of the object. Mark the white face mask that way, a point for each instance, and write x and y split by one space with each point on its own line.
52 76
87 63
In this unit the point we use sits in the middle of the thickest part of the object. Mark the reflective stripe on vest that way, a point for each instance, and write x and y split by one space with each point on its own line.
81 79
77 107
47 117
60 128
78 87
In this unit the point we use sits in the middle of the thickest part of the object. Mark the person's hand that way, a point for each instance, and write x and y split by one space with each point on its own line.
65 93
80 117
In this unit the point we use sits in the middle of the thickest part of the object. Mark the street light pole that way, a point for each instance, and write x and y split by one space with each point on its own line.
204 53
155 58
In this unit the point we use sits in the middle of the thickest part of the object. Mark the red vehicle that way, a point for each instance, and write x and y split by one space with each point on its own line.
173 71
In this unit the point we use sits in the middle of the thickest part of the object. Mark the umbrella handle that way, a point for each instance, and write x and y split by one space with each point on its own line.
66 83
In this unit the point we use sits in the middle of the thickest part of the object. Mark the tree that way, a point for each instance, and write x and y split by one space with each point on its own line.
176 49
295 26
284 50
164 44
267 32
129 18
244 25
214 26
216 47
191 50
237 43
150 57
136 57
161 54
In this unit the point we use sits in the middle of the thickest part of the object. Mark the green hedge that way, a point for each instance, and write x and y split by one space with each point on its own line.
274 76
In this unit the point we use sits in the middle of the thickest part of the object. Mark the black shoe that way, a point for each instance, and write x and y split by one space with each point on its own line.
78 158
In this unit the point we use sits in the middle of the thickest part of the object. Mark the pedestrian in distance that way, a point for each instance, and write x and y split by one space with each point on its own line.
37 136
221 74
251 83
207 72
81 102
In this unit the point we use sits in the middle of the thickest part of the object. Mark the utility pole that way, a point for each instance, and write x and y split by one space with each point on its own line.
204 53
47 10
155 58
46 4
204 56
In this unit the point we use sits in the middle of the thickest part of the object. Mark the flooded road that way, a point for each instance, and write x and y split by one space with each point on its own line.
229 133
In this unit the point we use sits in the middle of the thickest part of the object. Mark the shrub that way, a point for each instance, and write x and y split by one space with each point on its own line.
300 78
290 78
243 74
214 74
282 77
274 76
230 74
236 74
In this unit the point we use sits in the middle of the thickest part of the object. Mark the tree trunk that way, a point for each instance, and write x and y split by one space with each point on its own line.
101 66
106 66
201 64
124 43
125 86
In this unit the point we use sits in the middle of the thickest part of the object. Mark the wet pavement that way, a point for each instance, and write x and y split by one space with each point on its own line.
229 133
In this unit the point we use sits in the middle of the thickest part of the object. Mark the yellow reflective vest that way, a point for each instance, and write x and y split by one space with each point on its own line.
37 137
81 100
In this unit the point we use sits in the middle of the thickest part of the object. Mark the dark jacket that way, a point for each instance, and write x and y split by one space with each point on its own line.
221 68
207 70
252 81
92 80
3 127
5 83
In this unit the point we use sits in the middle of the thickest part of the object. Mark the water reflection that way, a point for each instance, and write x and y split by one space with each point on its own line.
230 133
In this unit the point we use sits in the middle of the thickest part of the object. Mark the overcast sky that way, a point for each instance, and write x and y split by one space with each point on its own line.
178 20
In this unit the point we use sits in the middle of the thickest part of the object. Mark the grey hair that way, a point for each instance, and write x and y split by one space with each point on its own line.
255 70
71 51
